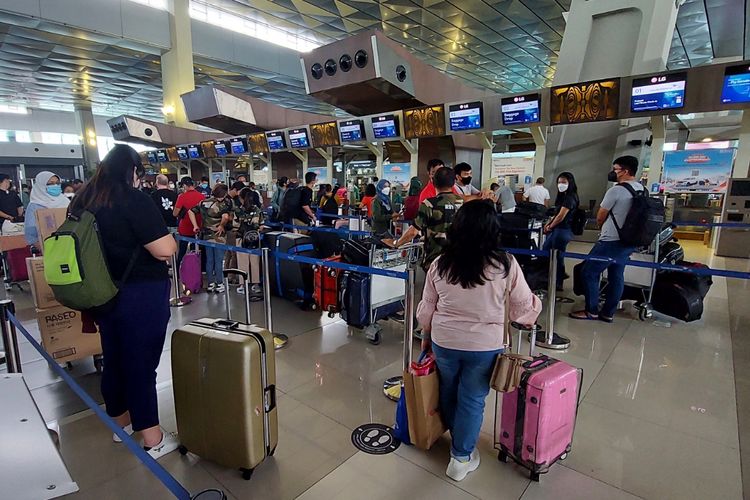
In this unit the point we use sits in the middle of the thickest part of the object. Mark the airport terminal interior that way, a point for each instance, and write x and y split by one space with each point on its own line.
326 150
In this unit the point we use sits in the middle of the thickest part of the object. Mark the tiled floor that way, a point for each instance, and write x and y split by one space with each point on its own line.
658 417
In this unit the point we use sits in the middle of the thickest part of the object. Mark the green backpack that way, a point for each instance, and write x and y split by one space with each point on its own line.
75 266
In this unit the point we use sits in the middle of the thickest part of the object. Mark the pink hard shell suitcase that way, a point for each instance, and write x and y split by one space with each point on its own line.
538 419
190 271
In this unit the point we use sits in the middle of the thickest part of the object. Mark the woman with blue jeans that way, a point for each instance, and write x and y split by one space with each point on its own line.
216 212
558 230
462 314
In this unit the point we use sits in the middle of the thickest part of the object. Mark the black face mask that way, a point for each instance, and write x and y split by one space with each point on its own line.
612 176
466 180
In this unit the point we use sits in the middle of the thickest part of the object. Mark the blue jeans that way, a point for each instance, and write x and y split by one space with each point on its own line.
214 265
558 239
593 270
464 385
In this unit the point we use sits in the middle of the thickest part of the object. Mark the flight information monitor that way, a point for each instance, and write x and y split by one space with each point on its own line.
182 153
221 148
276 141
657 92
195 151
736 84
465 116
161 156
520 109
385 127
298 138
352 131
152 159
238 145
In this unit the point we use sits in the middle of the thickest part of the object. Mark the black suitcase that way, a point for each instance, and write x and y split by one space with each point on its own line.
671 253
578 278
326 244
356 252
291 280
531 210
536 273
677 300
700 283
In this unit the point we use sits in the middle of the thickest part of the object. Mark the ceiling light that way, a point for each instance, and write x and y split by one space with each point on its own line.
707 139
167 109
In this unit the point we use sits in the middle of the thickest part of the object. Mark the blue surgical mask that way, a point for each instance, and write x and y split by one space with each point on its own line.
54 190
204 184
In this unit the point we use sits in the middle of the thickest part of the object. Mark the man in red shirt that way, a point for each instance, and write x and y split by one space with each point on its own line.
429 190
189 222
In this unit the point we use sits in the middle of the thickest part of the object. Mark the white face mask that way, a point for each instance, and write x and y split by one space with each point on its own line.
386 191
562 187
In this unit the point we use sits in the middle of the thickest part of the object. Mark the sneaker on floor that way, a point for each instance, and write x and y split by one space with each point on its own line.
458 470
256 289
128 430
241 290
220 288
168 444
211 288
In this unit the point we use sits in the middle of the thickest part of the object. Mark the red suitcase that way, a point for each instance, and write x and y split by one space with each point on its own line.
538 418
326 292
15 261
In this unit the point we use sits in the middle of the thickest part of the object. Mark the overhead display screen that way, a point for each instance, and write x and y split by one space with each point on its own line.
172 154
298 138
276 141
585 102
152 159
209 150
352 131
325 134
221 148
466 116
195 151
182 152
657 92
238 145
736 84
257 142
161 156
520 109
428 121
385 127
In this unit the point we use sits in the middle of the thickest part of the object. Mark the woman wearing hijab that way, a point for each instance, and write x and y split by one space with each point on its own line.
46 193
382 211
411 204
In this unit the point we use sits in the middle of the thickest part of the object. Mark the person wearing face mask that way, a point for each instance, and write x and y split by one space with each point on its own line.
216 212
46 193
134 325
68 191
463 187
613 208
11 206
328 209
204 188
382 210
558 230
429 190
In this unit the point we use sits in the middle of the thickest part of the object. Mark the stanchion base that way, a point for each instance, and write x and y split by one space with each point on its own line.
392 388
559 343
182 301
211 494
564 300
280 341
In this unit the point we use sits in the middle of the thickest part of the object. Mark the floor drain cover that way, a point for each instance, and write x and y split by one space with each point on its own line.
375 439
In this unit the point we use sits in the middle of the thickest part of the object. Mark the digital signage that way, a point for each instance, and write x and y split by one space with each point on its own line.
209 149
238 145
221 148
195 151
657 92
298 138
152 159
172 154
466 116
182 153
428 121
161 156
736 84
257 143
385 127
325 134
585 102
276 141
520 109
352 131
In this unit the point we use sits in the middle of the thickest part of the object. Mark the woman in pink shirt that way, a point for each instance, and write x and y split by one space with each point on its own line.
462 313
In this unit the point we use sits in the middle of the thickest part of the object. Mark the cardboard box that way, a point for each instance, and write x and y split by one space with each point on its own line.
40 290
12 242
48 220
63 336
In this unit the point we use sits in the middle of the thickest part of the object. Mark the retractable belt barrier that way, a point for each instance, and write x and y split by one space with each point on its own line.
346 232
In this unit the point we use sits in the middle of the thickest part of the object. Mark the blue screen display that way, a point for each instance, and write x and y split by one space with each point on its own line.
465 116
221 148
194 151
275 141
352 131
736 84
385 127
298 139
151 155
238 146
161 156
658 92
520 109
182 153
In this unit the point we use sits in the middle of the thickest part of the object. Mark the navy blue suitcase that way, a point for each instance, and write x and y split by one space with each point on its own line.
356 302
291 280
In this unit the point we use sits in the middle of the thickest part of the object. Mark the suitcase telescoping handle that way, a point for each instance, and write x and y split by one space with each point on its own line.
243 275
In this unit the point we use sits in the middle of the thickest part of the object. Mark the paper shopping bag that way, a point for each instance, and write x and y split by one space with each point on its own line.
422 409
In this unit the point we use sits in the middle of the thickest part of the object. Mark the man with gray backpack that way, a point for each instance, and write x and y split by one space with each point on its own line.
629 219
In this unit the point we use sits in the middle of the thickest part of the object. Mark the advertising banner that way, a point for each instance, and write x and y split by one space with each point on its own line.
697 171
322 174
397 173
518 165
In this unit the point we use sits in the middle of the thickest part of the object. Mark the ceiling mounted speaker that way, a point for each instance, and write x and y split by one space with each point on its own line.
148 132
360 58
345 63
330 67
400 73
316 71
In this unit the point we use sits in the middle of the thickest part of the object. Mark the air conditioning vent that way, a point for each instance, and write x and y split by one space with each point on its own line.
361 58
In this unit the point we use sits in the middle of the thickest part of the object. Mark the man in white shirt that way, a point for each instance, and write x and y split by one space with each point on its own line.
538 193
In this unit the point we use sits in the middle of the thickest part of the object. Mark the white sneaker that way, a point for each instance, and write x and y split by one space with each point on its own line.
241 290
128 430
211 288
458 470
168 444
220 288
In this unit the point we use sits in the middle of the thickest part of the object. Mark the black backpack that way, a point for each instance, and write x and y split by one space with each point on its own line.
578 221
644 220
290 205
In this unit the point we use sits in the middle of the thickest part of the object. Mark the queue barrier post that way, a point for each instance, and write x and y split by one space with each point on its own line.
548 339
177 300
392 386
279 339
10 337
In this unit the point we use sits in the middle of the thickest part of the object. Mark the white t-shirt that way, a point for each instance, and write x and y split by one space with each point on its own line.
618 201
465 190
537 194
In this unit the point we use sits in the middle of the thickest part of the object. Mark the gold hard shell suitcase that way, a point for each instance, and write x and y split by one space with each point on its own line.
224 382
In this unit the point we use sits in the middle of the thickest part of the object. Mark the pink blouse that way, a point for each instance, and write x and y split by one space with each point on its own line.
472 319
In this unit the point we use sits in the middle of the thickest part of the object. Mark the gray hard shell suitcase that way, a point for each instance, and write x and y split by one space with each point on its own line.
224 382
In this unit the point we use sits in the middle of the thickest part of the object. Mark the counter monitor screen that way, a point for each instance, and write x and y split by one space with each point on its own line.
658 92
465 116
275 141
195 151
298 138
385 127
152 159
352 131
736 84
520 109
182 152
238 145
740 188
161 156
221 148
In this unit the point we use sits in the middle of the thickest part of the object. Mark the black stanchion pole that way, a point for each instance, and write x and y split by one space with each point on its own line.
10 337
279 339
390 384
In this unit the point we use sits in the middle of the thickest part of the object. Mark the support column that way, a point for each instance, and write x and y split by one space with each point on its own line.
683 134
488 146
377 150
85 123
659 135
177 64
412 147
742 160
327 154
540 154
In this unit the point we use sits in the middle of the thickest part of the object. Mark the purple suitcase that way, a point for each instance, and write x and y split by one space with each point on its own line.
537 419
190 272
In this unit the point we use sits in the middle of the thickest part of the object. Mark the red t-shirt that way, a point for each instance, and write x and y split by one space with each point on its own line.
367 202
429 191
188 200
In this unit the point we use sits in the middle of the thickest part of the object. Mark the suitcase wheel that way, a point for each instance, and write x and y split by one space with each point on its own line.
272 452
534 476
182 449
563 456
98 363
502 456
247 474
